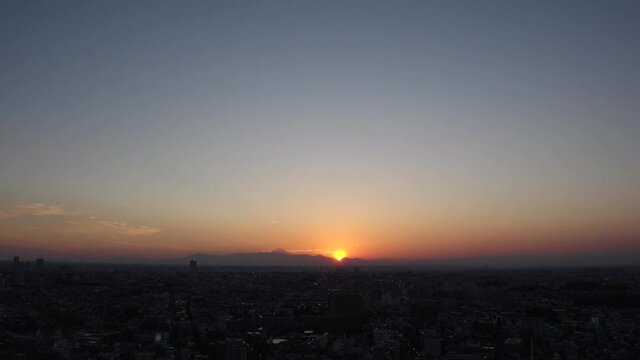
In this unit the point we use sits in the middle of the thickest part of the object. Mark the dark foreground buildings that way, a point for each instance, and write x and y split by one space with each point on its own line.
152 312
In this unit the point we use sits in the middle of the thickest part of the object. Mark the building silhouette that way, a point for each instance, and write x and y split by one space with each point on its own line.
345 311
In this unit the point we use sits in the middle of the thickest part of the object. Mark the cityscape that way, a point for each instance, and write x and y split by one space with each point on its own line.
320 179
102 311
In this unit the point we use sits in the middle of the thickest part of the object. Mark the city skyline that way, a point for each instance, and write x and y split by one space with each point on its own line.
404 130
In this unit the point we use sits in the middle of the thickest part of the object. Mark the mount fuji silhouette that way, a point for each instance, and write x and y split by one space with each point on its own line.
277 257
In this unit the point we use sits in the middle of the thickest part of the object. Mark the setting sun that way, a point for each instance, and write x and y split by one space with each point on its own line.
339 255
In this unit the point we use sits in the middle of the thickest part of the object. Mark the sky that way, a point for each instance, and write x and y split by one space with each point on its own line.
402 129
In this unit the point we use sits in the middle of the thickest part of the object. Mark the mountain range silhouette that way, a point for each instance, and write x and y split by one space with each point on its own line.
281 257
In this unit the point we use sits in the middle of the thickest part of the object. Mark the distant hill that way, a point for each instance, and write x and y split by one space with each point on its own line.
277 257
280 257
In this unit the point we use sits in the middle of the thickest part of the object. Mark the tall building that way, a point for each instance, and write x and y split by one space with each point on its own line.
230 349
193 266
236 350
432 343
39 263
345 304
345 311
16 261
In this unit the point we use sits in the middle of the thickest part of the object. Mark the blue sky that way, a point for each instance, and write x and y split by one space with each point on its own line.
397 127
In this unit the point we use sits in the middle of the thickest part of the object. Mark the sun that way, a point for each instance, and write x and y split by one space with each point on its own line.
339 254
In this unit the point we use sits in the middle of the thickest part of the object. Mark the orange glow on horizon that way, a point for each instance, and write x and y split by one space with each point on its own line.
339 254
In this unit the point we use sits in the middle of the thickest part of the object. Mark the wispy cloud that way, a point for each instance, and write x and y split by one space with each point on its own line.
34 209
93 226
154 246
316 251
77 223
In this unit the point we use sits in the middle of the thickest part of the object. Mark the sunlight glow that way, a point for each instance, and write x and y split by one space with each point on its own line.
339 254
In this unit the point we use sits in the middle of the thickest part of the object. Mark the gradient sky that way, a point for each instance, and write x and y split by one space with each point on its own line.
418 129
